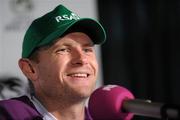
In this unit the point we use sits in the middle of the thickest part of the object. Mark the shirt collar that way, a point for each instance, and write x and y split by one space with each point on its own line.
47 115
41 109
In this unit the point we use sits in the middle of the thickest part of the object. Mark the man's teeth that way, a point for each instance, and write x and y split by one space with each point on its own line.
79 75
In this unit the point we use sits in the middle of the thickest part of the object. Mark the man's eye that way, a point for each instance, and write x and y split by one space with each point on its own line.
88 50
63 50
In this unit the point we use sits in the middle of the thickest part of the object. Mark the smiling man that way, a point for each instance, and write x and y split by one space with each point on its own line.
58 58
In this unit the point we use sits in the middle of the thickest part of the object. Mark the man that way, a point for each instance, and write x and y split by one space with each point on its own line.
58 58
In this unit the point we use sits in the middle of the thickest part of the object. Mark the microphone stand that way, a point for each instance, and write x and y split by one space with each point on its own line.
149 109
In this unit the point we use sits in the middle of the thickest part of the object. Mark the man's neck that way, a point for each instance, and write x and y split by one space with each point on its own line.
65 110
76 112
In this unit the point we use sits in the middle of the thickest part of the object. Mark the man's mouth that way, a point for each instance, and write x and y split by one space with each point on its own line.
79 75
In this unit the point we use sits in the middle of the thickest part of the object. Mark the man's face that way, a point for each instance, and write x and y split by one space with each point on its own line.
68 68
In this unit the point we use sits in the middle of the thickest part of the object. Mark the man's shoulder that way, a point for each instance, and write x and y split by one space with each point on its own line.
19 101
20 106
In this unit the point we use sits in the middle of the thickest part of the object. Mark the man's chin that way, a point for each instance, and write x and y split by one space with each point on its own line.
83 94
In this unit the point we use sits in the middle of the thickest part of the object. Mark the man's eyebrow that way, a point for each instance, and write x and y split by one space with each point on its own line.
89 44
62 44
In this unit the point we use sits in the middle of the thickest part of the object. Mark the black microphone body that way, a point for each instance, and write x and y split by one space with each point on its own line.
150 109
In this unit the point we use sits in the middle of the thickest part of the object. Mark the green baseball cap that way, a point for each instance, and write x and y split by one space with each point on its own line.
55 24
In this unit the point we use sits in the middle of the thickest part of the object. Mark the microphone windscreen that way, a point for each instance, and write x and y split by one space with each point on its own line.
106 103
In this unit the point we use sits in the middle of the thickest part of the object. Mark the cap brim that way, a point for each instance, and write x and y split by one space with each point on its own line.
89 26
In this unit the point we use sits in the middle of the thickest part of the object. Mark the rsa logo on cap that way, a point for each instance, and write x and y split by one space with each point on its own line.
71 16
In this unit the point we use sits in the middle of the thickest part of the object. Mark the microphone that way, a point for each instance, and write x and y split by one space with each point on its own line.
113 102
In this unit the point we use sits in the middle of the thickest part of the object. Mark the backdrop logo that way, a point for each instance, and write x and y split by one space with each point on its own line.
21 6
20 11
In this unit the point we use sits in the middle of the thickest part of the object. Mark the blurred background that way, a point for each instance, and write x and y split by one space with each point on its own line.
15 18
141 53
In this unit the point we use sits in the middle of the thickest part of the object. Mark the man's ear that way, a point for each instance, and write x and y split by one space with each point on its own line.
27 68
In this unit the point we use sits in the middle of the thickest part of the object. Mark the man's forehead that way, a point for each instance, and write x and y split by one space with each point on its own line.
75 37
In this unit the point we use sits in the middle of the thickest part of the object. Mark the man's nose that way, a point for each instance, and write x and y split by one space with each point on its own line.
79 58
